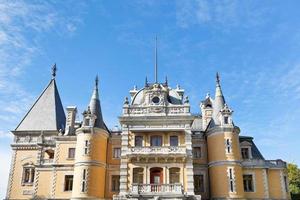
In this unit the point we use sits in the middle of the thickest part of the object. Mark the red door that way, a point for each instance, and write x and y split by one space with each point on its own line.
156 178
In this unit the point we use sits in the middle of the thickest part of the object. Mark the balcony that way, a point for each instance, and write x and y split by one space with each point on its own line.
156 189
157 151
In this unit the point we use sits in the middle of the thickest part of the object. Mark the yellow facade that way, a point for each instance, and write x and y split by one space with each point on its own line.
162 151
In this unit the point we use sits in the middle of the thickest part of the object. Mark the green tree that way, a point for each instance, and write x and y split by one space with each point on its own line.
294 178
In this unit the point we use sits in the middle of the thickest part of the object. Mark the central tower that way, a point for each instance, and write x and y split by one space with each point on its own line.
156 152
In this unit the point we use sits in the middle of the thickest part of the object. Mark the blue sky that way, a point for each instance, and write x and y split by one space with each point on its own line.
255 46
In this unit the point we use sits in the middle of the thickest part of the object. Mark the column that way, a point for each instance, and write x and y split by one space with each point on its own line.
189 161
167 175
164 175
148 175
124 166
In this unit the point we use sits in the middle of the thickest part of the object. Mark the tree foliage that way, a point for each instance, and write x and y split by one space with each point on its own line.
294 178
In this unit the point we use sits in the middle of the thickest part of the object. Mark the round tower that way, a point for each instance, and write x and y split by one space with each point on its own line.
90 155
225 170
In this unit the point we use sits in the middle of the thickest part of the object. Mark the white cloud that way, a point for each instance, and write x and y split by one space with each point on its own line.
23 25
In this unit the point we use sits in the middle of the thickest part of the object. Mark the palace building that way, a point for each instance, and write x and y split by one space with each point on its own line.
160 151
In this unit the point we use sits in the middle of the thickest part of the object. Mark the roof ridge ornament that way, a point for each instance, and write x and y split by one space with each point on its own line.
54 70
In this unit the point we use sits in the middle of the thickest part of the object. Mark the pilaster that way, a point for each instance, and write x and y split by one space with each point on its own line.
124 162
189 161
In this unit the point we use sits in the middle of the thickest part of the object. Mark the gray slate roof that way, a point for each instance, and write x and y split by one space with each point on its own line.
46 114
254 150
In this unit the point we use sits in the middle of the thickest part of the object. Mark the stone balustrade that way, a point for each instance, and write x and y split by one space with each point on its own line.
157 150
175 188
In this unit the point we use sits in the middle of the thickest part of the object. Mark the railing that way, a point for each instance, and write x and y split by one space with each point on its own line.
264 163
163 150
175 188
276 163
47 161
173 110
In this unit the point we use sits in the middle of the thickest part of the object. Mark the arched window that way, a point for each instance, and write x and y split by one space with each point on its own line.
138 175
174 175
28 174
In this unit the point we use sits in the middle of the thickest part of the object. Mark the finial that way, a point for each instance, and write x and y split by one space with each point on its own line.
207 95
126 101
146 82
218 78
166 81
134 87
54 69
96 81
156 59
177 87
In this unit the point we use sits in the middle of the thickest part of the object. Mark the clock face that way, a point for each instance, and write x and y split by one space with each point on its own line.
155 100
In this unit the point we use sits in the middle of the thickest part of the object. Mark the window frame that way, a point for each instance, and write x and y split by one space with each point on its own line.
70 154
30 171
156 136
114 178
140 172
135 140
197 155
248 187
177 140
70 181
117 153
201 187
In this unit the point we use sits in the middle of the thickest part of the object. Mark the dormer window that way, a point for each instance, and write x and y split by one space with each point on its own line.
156 100
245 151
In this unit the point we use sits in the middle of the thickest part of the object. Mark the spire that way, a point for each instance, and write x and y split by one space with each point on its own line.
95 107
54 69
156 60
219 101
47 113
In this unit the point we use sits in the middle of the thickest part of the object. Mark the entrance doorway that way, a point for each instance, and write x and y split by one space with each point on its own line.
156 179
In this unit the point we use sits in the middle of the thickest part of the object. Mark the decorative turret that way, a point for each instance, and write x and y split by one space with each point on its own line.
91 148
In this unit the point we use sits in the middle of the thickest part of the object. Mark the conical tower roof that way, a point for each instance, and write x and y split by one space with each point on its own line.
219 101
95 107
47 113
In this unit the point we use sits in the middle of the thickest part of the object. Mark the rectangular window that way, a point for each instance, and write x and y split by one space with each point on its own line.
231 180
68 182
248 183
86 147
226 121
173 140
228 146
198 184
115 183
286 184
245 153
84 180
138 141
138 175
117 153
28 175
71 153
197 152
174 175
156 141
